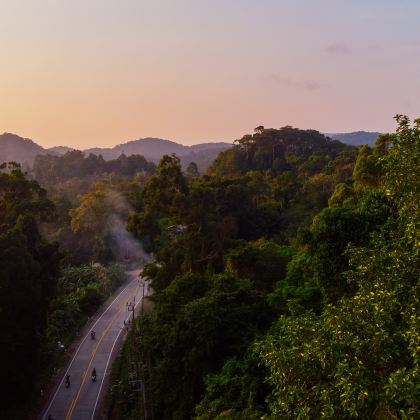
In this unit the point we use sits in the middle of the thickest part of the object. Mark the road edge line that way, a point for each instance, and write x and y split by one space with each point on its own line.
43 417
107 363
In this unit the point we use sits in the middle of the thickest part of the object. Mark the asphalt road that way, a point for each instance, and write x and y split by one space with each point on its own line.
82 399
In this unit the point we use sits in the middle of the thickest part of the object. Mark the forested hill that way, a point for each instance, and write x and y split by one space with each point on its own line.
18 149
153 149
290 287
60 150
305 164
23 151
280 150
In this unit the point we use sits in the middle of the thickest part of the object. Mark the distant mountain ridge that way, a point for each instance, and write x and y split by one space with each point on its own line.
149 147
60 149
22 150
18 149
154 148
356 138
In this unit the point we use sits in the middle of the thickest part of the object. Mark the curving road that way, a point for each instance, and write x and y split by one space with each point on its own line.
80 400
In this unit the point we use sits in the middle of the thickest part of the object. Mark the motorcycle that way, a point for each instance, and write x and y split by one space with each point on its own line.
94 375
92 335
67 381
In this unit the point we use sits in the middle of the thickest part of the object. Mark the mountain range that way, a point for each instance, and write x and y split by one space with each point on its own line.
23 150
18 149
153 149
356 138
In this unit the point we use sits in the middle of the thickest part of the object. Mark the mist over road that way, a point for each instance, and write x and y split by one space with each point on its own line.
82 399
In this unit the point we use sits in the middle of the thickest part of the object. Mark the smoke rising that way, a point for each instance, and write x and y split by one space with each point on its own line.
123 244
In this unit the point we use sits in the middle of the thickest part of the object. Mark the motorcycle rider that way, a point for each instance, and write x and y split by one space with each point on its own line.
67 380
92 334
93 375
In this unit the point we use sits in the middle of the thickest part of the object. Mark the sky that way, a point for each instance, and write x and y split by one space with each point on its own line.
86 73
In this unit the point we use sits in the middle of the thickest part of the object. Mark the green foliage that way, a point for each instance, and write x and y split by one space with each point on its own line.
20 197
192 170
162 196
90 222
50 170
352 360
96 226
237 392
305 163
262 261
200 320
28 272
360 357
332 230
90 189
297 292
343 196
330 233
123 398
80 292
268 304
402 176
367 168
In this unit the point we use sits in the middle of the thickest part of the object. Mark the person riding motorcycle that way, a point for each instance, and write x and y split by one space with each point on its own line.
67 380
93 375
92 334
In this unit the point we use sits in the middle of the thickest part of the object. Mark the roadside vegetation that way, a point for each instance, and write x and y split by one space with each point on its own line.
62 253
285 278
286 282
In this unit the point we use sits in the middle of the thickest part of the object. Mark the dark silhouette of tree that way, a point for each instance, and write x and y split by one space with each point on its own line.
28 272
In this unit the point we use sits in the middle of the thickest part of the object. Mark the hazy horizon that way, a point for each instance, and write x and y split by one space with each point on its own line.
99 73
94 146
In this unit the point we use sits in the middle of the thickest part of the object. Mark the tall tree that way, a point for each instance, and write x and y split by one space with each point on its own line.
28 272
360 358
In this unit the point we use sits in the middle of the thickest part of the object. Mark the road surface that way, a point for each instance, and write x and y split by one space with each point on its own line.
81 400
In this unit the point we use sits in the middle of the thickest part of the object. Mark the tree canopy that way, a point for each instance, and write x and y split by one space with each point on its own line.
28 272
286 280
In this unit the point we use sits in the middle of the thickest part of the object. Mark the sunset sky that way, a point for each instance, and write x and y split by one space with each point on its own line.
100 72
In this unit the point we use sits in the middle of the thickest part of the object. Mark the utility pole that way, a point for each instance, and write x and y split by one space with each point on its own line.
131 308
143 383
143 283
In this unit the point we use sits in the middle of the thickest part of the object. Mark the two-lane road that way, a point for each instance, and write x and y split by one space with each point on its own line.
80 400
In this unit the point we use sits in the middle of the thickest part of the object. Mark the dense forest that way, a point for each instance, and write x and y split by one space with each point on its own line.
285 277
62 241
286 282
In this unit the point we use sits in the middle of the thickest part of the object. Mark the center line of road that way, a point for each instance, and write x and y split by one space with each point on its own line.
109 358
77 351
74 402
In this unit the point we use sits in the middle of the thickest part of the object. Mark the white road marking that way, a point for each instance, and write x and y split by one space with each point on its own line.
109 358
77 351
